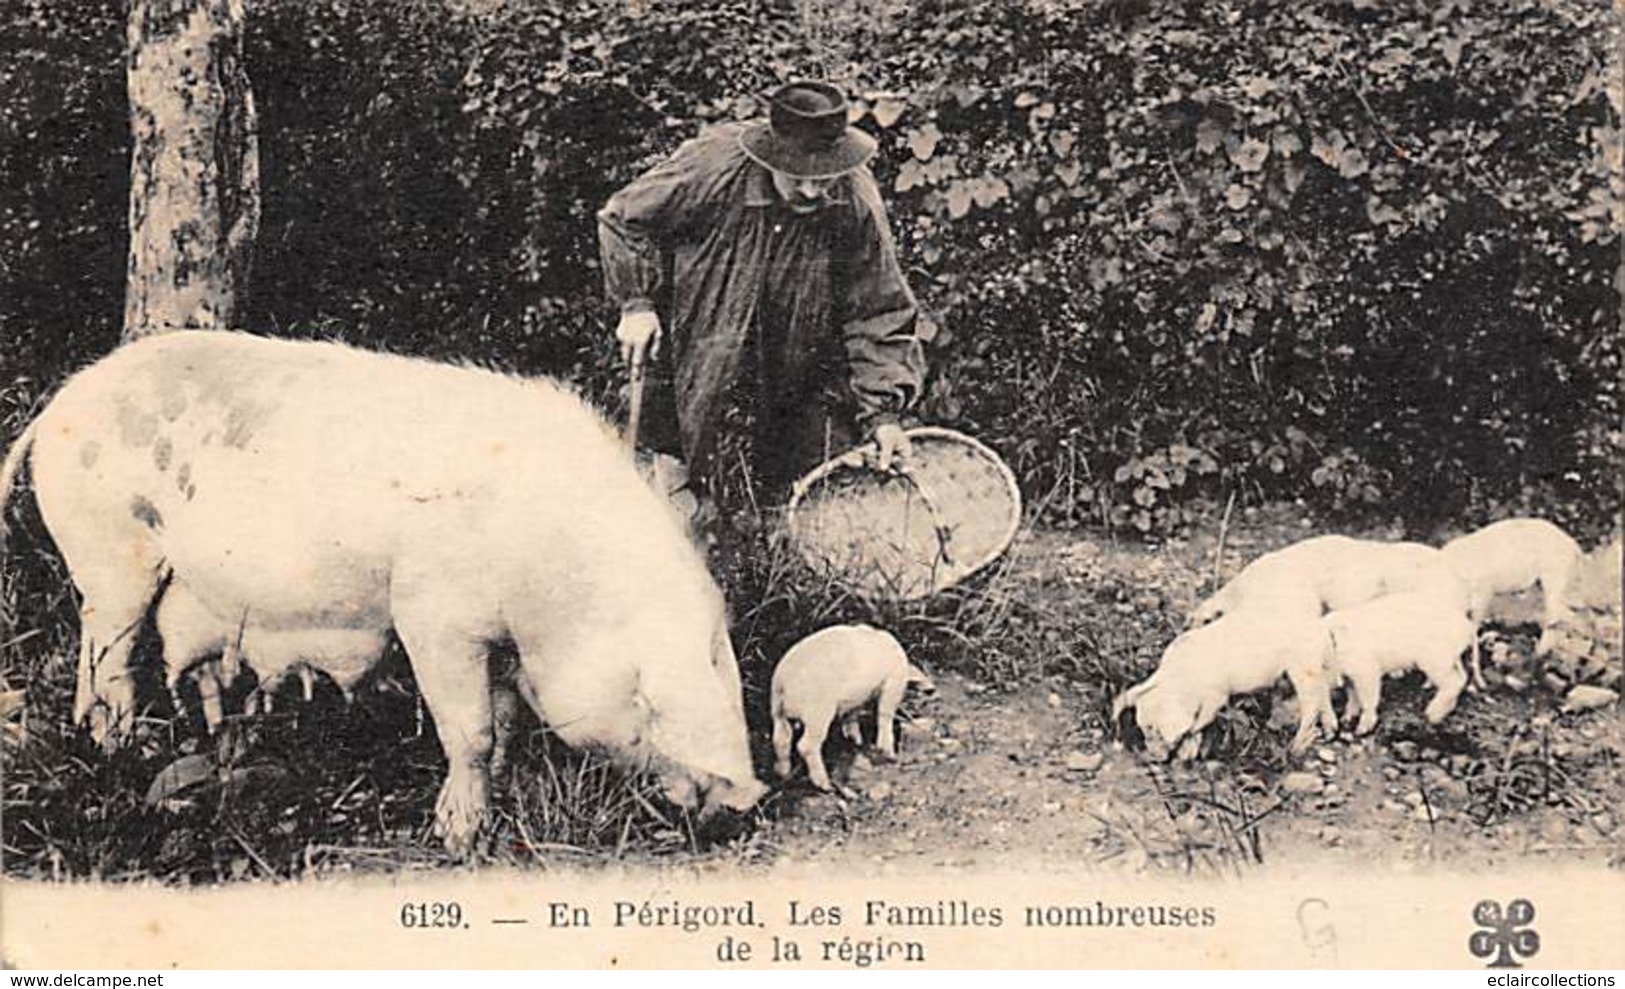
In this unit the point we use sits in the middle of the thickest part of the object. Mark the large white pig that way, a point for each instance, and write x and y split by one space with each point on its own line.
302 490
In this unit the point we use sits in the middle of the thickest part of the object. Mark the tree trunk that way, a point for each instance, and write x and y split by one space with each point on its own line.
194 166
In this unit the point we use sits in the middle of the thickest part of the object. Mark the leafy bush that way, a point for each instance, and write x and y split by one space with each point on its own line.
1354 252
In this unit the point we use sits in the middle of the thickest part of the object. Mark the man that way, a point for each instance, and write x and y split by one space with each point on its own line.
756 264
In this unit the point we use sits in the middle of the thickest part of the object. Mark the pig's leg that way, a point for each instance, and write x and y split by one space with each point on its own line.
852 728
783 736
210 691
1450 685
1328 713
1351 706
1554 593
891 695
1314 695
505 703
1476 663
115 601
1190 746
453 676
1366 685
1310 705
259 701
814 728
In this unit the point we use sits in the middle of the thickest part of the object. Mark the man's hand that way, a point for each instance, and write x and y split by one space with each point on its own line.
639 335
892 448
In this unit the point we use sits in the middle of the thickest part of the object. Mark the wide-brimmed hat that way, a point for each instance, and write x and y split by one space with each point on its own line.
806 134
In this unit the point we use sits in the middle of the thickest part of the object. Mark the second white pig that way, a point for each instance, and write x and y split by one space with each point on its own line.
1395 634
1238 654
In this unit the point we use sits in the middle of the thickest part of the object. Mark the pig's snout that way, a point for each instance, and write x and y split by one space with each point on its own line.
722 826
729 811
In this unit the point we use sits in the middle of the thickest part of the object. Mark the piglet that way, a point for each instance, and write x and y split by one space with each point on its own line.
830 675
1417 630
1238 654
1338 572
1514 555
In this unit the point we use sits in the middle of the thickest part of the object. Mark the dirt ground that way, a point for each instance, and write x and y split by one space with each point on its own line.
990 777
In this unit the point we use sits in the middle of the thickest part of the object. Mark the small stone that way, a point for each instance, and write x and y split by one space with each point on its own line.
1452 789
1414 799
1052 807
950 743
1424 813
1331 835
923 725
1391 773
1588 698
1405 751
1326 754
1148 602
880 791
974 688
1516 683
1604 822
1301 783
1053 700
1430 754
1084 762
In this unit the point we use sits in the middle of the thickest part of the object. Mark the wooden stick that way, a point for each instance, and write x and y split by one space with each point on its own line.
1218 552
635 413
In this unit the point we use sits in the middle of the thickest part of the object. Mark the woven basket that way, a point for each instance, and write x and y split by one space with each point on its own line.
906 536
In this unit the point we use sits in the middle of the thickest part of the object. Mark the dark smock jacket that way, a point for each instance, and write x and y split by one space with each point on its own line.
807 316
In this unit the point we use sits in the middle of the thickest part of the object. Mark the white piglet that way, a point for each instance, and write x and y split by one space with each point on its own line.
1243 652
832 675
1515 555
1335 571
1395 634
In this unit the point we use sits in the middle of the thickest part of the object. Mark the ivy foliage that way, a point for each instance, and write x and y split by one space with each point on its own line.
1362 252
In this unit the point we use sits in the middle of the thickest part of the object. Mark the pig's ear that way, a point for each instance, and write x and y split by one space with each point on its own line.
1130 698
681 790
920 677
726 663
691 746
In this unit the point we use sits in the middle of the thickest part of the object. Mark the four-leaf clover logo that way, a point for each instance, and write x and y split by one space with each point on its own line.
1505 935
